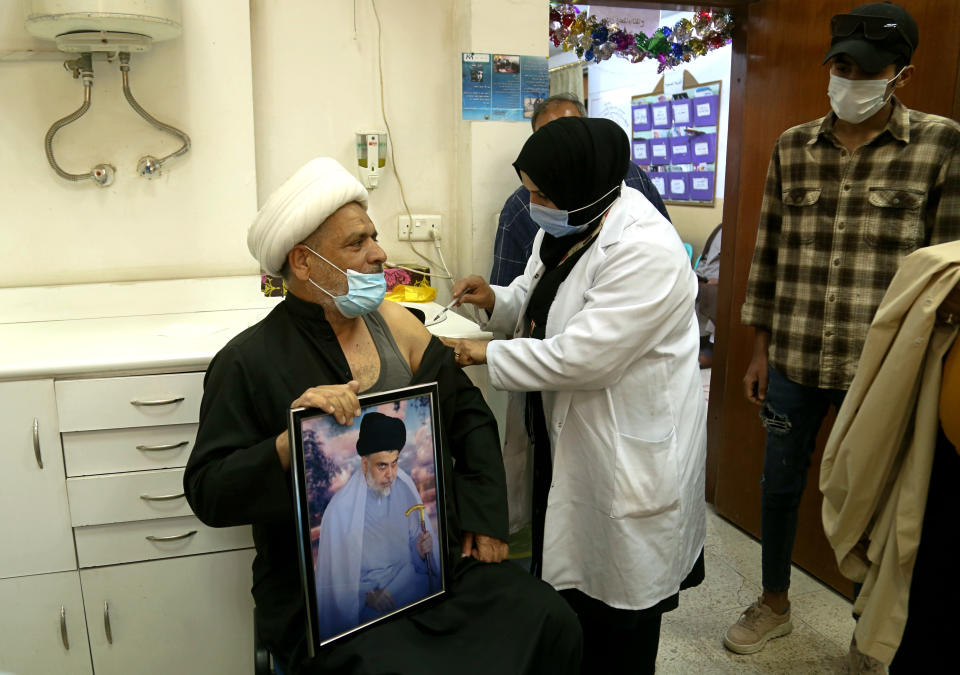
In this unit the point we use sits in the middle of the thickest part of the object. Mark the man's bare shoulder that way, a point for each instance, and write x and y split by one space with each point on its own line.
411 335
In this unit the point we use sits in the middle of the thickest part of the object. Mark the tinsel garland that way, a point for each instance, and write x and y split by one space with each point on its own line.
596 39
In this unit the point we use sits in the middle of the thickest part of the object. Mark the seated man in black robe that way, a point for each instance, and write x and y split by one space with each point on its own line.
330 339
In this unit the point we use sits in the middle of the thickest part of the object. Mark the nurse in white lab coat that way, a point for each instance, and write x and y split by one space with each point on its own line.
603 363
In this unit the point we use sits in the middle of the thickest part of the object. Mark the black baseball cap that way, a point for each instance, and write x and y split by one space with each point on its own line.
874 35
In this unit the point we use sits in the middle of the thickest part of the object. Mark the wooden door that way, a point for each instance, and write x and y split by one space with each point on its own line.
777 82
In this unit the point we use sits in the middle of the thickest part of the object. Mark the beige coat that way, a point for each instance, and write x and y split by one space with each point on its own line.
876 466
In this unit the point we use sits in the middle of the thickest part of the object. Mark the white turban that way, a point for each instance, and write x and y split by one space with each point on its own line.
298 207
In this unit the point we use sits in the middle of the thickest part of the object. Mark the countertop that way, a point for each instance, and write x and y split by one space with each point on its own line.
141 327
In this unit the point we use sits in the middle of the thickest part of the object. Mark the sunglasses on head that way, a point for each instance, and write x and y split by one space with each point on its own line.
874 27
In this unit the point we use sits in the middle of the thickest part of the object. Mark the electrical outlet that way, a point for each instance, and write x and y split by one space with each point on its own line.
425 228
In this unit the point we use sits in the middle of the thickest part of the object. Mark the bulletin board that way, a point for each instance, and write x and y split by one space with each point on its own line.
675 139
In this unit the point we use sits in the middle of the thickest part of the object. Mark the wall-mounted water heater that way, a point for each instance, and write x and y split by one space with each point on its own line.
116 28
104 26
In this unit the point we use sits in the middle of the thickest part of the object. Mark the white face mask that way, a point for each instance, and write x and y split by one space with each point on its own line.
856 100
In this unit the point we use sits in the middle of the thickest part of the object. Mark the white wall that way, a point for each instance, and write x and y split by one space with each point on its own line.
316 84
489 148
261 87
187 222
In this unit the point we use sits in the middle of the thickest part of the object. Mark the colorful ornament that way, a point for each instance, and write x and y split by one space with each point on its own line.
598 39
578 26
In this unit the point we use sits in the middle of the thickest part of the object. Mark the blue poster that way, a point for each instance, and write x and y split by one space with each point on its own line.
502 87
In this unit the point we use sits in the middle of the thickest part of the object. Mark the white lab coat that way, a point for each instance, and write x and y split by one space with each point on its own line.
625 409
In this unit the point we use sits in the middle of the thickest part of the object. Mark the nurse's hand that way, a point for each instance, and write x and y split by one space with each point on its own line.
468 352
475 290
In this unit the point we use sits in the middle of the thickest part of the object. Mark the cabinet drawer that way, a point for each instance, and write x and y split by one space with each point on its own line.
127 542
88 453
123 402
125 497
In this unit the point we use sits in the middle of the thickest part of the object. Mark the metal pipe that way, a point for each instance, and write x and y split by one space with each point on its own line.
59 124
150 166
82 68
101 174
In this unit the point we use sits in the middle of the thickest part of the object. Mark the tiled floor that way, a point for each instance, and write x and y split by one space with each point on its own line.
691 640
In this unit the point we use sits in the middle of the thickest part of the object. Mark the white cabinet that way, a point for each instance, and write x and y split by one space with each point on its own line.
178 615
123 402
42 626
144 586
88 453
35 534
149 539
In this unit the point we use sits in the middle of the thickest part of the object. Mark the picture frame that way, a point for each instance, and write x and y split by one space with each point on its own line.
371 525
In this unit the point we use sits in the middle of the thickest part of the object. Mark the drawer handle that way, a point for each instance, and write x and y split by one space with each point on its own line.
161 498
172 537
158 401
63 628
36 442
165 446
106 622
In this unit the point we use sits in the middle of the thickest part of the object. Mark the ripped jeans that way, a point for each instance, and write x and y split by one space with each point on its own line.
791 414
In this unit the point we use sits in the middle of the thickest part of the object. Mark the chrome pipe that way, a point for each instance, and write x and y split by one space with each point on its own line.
150 166
102 174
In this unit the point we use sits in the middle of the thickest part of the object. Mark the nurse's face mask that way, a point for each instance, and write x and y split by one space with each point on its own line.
364 293
555 221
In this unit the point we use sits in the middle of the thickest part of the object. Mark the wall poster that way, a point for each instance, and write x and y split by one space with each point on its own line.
502 87
674 139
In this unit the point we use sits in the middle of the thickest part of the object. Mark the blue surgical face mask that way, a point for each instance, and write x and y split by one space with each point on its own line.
554 221
364 294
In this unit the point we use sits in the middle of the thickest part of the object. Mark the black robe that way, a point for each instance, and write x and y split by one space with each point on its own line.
234 477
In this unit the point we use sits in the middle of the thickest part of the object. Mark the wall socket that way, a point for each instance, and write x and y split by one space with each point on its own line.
425 227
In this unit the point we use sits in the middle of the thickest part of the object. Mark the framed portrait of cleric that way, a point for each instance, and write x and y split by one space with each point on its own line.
369 511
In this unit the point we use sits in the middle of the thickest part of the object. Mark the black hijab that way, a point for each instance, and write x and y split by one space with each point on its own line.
575 161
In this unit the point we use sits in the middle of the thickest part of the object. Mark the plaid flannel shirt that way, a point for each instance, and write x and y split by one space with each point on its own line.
516 230
834 226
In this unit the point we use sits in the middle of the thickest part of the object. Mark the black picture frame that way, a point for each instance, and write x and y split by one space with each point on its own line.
325 466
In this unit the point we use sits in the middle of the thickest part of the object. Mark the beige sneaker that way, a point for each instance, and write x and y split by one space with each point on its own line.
755 626
861 664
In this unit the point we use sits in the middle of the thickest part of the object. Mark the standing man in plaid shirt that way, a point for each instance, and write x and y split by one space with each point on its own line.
847 196
516 230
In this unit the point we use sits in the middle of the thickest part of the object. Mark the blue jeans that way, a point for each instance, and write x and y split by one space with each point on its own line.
791 414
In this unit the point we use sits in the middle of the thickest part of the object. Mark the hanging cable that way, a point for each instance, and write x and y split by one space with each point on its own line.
436 244
150 166
396 170
102 174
